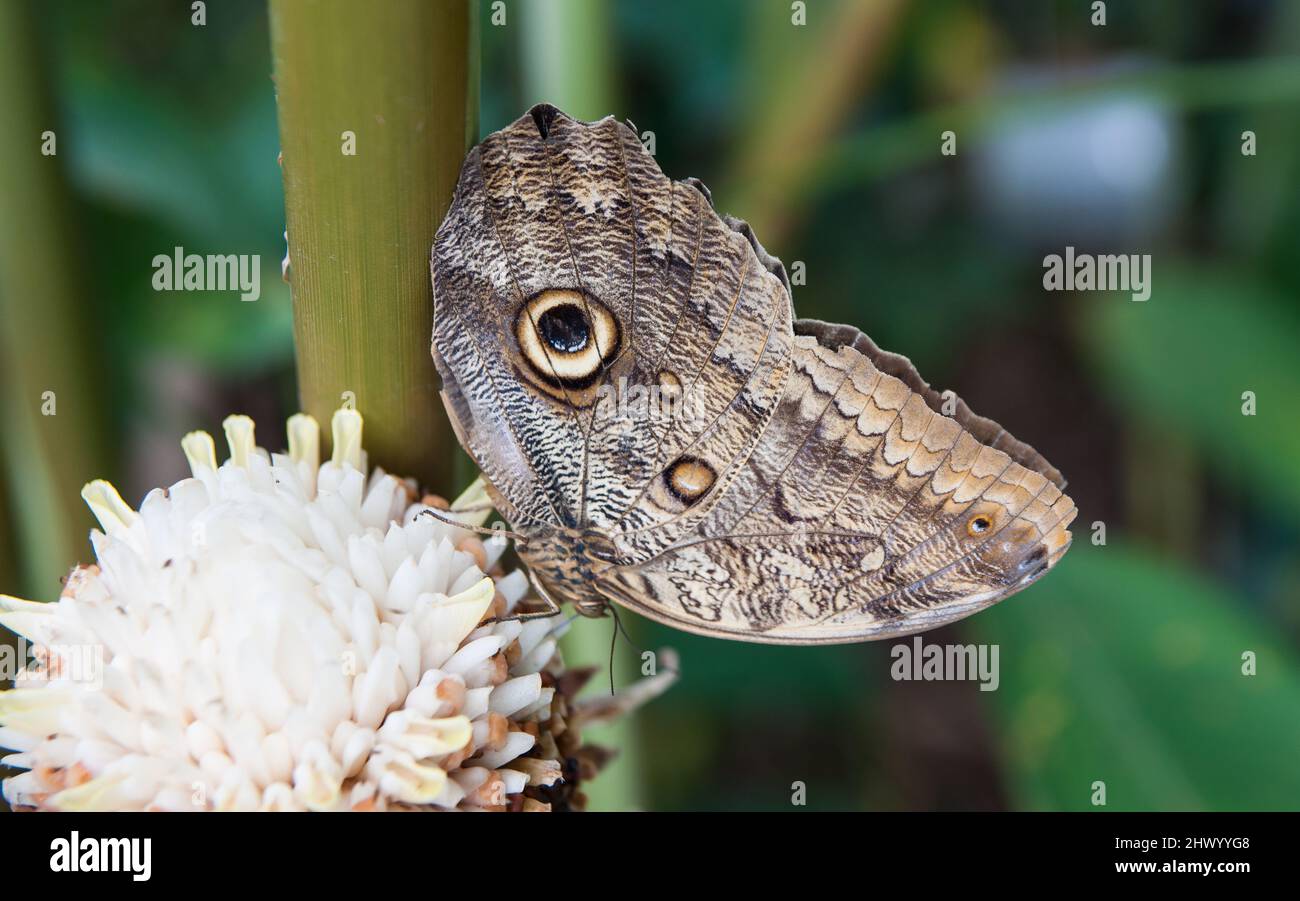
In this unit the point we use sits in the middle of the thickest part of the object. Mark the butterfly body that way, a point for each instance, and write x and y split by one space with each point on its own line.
625 368
564 562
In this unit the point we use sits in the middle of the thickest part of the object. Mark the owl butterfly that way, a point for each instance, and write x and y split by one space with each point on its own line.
624 367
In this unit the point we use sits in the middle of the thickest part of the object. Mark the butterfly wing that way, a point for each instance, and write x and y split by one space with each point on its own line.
863 513
553 216
621 362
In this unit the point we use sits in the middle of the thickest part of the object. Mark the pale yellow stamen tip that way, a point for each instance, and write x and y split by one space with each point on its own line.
199 451
90 795
480 591
347 437
304 439
476 500
414 782
427 738
114 514
239 435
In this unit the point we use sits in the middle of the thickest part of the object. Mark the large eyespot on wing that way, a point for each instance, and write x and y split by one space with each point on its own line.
565 340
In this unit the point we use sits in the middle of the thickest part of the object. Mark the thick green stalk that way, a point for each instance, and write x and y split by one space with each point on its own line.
50 403
378 104
566 56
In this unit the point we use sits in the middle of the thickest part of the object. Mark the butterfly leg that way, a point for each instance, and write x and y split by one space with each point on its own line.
470 527
553 609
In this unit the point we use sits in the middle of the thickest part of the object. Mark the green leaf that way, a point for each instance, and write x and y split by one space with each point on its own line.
1183 360
1123 668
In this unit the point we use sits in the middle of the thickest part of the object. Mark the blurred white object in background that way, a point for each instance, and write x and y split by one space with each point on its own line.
1099 171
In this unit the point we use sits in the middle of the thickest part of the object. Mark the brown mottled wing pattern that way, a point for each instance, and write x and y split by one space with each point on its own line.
490 253
852 518
623 366
551 204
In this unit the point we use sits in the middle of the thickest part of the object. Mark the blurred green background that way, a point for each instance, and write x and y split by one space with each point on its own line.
1123 666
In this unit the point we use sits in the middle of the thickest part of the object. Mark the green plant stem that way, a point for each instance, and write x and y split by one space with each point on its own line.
566 56
50 405
804 83
401 77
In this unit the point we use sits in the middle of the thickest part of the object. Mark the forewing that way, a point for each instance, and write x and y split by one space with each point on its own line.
691 329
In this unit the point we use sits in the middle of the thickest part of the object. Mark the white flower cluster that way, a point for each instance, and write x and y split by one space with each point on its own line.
281 634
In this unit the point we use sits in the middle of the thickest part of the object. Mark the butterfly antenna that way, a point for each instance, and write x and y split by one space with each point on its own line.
613 639
620 628
469 527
